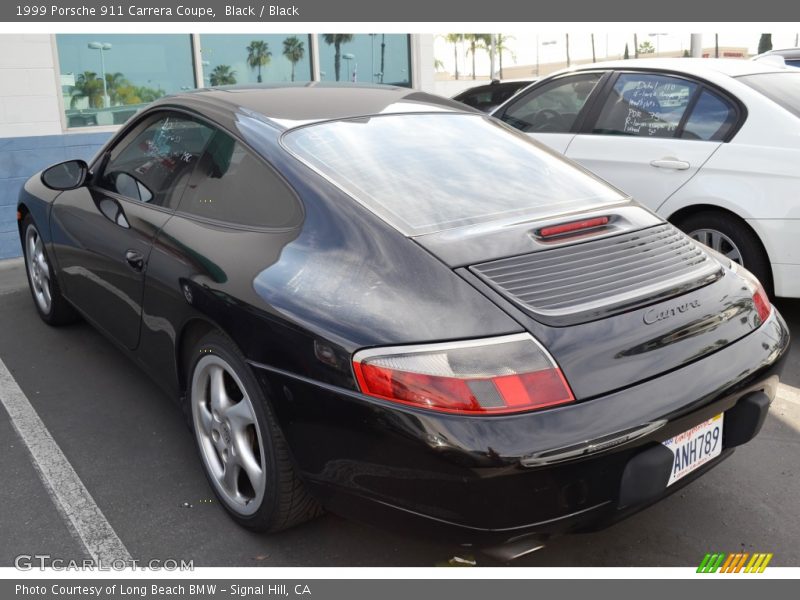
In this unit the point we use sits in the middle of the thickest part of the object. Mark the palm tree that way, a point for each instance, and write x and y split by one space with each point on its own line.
501 47
477 41
138 94
336 40
646 47
294 50
567 49
89 86
455 39
114 81
222 75
258 55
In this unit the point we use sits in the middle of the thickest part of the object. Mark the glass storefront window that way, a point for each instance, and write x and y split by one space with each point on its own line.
250 58
105 79
365 58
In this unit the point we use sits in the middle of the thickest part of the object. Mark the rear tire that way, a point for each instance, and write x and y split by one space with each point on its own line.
51 305
244 454
732 237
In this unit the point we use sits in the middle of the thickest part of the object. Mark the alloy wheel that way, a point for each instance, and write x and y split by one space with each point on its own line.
38 269
228 434
716 240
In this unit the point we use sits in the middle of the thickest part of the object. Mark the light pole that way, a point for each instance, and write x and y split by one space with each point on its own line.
547 43
372 56
658 37
103 47
348 57
383 55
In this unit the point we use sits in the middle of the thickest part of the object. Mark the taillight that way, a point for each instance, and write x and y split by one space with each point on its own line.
572 227
760 298
490 376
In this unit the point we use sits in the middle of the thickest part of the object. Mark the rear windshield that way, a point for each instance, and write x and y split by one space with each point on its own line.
424 173
783 88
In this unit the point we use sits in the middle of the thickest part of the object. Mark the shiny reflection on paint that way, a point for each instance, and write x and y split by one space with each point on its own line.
701 326
83 272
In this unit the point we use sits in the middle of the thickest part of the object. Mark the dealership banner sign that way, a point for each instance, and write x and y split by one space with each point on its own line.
345 11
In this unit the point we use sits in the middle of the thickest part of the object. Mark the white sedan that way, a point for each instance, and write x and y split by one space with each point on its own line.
711 145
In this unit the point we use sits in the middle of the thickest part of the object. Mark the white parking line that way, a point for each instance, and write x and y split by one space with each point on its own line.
59 478
788 393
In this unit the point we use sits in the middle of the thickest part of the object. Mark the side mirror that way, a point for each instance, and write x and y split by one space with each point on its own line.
66 176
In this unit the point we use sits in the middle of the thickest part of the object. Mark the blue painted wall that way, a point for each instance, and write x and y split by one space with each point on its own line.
22 157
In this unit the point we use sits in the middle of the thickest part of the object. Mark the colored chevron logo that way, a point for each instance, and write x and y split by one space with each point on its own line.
734 563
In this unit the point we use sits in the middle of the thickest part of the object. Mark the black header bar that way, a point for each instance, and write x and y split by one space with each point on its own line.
420 11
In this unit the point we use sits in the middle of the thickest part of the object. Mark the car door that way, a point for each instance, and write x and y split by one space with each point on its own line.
103 232
651 133
552 112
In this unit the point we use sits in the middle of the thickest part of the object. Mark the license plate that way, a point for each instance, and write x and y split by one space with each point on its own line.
695 447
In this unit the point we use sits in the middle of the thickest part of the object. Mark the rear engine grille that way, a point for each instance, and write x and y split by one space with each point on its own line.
595 278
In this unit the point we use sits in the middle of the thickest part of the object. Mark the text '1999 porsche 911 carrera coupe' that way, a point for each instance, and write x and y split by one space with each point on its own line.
381 302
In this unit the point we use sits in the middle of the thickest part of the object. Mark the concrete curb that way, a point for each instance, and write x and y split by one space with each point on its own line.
11 263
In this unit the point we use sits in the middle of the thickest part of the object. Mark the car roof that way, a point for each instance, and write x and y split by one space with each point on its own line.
696 66
496 85
787 52
289 105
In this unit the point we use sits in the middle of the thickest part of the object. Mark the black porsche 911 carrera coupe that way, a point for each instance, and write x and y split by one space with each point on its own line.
384 303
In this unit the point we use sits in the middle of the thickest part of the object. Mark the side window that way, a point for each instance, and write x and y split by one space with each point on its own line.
711 118
153 162
477 98
554 107
645 105
231 184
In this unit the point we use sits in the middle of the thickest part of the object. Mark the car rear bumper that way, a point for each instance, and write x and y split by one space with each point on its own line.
464 478
780 238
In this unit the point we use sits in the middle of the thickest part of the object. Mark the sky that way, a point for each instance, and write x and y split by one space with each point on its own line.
607 44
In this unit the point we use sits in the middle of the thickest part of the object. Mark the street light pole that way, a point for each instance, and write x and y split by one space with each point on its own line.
102 46
547 43
348 57
372 57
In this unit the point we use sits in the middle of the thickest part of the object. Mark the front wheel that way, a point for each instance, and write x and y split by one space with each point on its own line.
51 305
731 237
244 454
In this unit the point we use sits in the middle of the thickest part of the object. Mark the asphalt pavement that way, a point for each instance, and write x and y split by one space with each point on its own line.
130 448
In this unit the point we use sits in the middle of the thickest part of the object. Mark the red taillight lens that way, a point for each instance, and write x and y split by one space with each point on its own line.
760 298
493 376
763 305
572 227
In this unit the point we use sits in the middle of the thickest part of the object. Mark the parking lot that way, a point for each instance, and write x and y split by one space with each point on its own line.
130 447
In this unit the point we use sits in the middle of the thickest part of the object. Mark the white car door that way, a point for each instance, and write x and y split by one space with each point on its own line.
549 112
653 133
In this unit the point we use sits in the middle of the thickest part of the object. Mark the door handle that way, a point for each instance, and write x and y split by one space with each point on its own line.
670 163
135 260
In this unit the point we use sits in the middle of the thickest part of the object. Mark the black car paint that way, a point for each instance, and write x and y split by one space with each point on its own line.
371 286
500 91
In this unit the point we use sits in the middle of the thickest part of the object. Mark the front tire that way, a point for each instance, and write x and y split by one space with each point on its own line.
244 454
730 236
51 305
